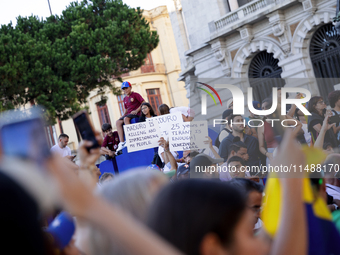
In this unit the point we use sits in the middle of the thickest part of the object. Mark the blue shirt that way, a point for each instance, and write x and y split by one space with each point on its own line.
252 149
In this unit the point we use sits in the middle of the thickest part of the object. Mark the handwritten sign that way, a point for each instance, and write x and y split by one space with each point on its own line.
142 136
188 136
166 122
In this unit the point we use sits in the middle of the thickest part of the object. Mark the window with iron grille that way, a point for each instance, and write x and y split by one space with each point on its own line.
154 98
148 66
103 113
264 74
121 104
50 135
325 57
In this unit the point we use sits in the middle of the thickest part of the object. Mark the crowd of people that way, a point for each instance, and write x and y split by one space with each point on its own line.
170 207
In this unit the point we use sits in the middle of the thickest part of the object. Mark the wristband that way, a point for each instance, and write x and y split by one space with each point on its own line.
166 150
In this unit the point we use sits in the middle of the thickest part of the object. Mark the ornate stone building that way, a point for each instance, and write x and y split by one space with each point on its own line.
256 39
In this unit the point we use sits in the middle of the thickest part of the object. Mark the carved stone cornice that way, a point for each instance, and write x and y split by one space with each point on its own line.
280 30
222 55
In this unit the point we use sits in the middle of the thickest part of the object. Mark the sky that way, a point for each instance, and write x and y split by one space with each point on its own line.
9 10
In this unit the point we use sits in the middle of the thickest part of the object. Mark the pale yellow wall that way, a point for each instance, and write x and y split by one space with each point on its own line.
167 68
167 53
68 127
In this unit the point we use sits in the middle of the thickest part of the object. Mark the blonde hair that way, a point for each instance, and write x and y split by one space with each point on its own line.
132 191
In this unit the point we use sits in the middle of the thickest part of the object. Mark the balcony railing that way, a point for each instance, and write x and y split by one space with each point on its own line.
243 12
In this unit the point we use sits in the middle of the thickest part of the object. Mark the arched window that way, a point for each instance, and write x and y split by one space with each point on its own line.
325 57
264 73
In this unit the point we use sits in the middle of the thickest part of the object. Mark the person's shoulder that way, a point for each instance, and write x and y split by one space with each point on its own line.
251 138
54 147
135 94
228 139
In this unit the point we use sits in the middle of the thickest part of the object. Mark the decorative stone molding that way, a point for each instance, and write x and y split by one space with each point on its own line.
178 5
221 54
190 84
309 6
241 59
246 33
188 61
280 30
301 34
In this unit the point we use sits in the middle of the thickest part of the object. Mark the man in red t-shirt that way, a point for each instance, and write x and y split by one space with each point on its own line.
132 104
110 145
110 142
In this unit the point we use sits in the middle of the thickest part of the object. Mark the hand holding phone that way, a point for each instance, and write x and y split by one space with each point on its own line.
299 95
85 129
23 135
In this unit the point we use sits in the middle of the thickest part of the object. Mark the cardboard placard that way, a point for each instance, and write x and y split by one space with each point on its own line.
142 135
188 136
166 122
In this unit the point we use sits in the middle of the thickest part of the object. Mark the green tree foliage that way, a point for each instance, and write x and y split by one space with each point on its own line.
57 62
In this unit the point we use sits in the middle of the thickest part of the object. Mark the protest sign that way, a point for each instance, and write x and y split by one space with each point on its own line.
166 122
142 136
188 136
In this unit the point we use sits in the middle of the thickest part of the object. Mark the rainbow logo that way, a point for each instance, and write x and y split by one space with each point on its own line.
209 93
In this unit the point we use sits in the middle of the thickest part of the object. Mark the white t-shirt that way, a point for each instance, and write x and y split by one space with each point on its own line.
61 151
161 150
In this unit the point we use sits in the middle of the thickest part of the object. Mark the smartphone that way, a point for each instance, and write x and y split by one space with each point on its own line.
334 119
23 135
85 129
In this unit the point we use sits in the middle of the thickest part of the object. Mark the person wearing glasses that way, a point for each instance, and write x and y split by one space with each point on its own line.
146 112
317 107
253 193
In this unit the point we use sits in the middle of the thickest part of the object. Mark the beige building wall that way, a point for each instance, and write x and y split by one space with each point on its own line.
167 67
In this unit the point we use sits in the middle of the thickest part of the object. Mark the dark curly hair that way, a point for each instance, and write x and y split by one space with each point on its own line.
333 97
312 103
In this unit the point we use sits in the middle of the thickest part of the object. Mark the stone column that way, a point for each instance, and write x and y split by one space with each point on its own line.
233 5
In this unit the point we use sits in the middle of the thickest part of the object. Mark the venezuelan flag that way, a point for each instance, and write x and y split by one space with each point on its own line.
323 237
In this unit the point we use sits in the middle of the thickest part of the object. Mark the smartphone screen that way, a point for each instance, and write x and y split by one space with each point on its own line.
26 139
85 130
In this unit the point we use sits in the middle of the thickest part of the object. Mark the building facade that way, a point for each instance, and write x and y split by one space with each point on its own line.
157 81
287 39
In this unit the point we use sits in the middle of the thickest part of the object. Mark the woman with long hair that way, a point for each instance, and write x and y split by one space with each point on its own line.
146 112
317 107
